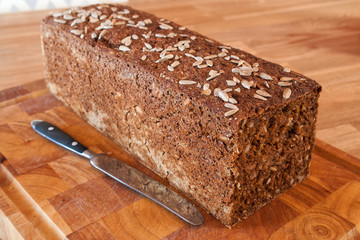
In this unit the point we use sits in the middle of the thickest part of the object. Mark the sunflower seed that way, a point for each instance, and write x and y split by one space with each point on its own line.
77 31
216 92
170 68
197 63
148 21
243 71
266 84
231 112
224 47
202 66
206 92
257 96
222 54
102 17
143 57
171 35
59 20
95 14
287 93
231 106
165 26
123 18
146 36
231 83
263 93
286 79
237 90
206 86
182 28
265 76
76 21
93 35
212 72
57 14
210 57
235 79
287 70
175 64
125 11
148 46
171 48
186 82
140 24
233 100
99 28
224 96
101 34
124 48
165 58
235 57
169 56
213 76
227 58
135 37
159 35
209 63
284 84
126 41
68 17
245 84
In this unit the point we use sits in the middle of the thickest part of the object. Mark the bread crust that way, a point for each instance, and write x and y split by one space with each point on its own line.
231 164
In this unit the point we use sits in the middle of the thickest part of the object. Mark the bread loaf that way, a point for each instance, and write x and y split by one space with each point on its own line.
228 129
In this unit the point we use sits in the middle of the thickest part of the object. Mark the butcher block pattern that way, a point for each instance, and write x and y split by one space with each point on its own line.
50 193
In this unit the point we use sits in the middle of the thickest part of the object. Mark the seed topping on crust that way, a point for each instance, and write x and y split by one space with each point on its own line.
158 41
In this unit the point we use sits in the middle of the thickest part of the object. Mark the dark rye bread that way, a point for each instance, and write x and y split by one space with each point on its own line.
228 129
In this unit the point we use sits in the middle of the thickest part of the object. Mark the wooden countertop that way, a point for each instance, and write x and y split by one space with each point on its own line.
319 39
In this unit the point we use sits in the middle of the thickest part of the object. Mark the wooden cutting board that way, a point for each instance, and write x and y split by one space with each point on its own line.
49 193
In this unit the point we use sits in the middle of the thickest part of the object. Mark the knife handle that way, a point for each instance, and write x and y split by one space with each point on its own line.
56 135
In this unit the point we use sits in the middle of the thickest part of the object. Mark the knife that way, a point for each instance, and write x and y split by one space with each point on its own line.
123 173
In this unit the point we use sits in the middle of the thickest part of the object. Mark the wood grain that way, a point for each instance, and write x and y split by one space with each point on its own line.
317 38
49 193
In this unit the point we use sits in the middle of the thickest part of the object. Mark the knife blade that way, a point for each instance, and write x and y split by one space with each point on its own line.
124 174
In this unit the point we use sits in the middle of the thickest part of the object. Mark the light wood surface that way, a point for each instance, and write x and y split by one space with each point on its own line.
47 192
317 38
